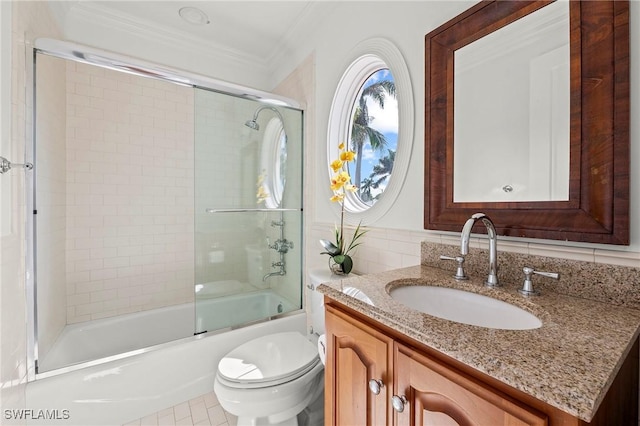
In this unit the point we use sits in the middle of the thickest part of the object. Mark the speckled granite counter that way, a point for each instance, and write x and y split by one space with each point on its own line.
569 362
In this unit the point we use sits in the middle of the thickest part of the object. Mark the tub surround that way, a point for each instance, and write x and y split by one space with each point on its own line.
568 363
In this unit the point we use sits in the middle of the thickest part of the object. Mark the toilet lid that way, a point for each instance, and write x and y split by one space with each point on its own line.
268 360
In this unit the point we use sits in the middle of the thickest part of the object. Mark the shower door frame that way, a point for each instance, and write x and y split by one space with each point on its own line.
110 60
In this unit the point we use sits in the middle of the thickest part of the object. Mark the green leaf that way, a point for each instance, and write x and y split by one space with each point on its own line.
347 264
356 236
330 248
339 258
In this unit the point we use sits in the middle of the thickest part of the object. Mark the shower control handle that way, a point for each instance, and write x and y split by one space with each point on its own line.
281 245
375 386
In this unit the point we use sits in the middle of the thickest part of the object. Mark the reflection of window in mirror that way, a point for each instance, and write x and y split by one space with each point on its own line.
374 135
511 109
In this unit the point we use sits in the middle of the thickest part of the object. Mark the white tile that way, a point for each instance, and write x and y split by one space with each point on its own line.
619 258
182 411
217 415
199 412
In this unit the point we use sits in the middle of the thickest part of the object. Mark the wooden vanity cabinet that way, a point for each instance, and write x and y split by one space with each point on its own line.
439 395
437 390
356 354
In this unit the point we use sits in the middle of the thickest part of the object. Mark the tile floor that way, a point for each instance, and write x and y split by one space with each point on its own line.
203 410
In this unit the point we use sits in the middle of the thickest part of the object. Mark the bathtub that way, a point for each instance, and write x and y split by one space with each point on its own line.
117 335
129 388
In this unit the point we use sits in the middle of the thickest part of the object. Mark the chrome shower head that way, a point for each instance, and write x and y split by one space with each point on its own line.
252 124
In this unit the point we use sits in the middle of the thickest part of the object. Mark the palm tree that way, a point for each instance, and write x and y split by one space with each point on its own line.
382 170
361 132
364 190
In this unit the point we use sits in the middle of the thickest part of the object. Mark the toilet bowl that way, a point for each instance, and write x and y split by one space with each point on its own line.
271 380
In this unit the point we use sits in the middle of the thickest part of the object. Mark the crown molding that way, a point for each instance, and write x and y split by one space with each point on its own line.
60 9
95 14
289 47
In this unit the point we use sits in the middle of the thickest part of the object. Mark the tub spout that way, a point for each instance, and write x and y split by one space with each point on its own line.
281 272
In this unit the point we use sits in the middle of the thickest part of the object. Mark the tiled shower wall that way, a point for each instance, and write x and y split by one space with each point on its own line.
129 193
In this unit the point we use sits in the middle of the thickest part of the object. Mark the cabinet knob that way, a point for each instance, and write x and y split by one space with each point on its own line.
398 403
375 386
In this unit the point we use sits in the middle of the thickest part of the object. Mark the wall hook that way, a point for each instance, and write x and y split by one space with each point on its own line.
6 165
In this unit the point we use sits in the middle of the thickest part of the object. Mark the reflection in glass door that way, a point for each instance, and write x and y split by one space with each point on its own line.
248 204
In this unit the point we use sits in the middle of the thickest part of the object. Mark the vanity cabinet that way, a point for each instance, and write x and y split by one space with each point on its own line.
356 355
377 376
439 395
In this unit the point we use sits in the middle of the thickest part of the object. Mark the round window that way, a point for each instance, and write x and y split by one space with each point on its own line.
372 114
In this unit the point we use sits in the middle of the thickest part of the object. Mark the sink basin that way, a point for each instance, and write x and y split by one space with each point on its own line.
465 307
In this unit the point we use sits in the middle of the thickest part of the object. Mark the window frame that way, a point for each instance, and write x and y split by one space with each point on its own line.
367 58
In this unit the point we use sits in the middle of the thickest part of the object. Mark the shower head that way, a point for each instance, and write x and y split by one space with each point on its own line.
253 123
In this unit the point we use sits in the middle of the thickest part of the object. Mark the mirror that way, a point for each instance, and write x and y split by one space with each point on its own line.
595 206
520 71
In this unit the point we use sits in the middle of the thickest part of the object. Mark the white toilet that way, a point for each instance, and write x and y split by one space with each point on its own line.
272 379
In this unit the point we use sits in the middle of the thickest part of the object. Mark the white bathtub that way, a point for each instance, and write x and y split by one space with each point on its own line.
120 391
110 336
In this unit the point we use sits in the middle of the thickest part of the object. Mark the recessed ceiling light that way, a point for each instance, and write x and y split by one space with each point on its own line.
193 15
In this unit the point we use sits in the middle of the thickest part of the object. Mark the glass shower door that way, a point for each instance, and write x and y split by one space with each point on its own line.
248 204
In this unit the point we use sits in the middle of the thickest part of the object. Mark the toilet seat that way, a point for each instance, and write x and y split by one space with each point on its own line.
268 361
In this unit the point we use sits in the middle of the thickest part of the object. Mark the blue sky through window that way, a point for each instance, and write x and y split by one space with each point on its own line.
386 122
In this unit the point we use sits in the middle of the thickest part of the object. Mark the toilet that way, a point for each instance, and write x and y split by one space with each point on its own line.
274 379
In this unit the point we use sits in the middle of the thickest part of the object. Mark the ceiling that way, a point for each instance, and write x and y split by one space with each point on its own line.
256 30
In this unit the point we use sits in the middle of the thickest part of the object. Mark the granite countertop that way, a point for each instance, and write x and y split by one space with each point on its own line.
569 362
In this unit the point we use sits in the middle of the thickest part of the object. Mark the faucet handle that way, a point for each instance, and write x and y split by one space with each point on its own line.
460 274
527 285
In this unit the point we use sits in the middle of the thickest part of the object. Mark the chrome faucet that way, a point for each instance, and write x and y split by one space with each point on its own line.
492 278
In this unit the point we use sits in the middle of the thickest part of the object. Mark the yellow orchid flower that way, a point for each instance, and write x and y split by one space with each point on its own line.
336 184
336 165
343 177
347 155
341 146
337 198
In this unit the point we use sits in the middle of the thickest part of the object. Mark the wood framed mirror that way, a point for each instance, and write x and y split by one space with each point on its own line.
596 209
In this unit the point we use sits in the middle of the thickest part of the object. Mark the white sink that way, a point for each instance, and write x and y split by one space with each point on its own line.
465 307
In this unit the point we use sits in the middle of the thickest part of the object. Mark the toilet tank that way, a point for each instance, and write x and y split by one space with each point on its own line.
316 299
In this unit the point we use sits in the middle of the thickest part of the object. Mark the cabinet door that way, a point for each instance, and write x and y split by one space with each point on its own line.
438 395
356 354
